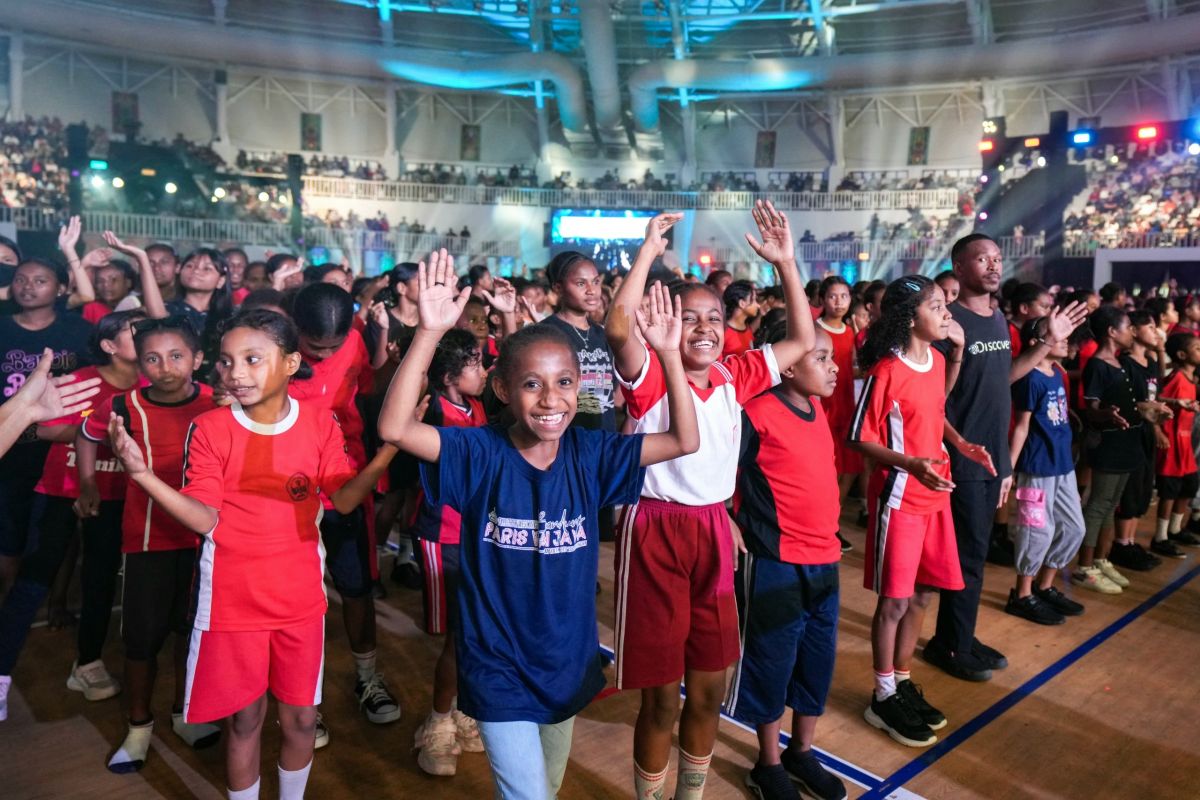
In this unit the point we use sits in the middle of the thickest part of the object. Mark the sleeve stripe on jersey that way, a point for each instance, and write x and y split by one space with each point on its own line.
84 430
772 363
863 401
187 450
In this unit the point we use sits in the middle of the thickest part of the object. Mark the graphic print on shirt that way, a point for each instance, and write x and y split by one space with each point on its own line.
1056 407
18 364
546 536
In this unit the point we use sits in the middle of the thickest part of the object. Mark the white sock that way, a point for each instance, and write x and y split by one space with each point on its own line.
291 784
131 755
364 664
438 716
693 773
903 675
885 685
649 786
249 793
1176 523
196 734
1160 529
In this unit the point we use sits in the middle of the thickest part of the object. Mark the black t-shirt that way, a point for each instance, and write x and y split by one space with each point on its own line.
1113 449
21 348
597 375
1146 381
980 405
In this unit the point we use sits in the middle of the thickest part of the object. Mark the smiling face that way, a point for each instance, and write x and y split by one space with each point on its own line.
932 323
167 361
253 367
200 274
237 268
541 389
579 289
703 329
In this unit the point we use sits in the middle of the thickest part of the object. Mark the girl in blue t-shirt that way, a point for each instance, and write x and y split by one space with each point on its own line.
529 496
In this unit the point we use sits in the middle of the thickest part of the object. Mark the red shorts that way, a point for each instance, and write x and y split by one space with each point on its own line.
918 549
675 604
229 670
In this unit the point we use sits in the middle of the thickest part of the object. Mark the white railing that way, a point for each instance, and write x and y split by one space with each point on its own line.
395 191
1084 244
880 251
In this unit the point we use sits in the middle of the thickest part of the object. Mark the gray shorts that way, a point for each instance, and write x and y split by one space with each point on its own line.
1048 526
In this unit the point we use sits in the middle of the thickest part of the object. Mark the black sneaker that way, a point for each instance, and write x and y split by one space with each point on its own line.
810 775
896 718
966 667
846 546
1167 549
1001 552
771 783
1131 556
990 656
1059 602
1185 538
862 519
1033 609
915 698
376 701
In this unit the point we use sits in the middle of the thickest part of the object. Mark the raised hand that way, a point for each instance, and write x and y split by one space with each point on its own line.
112 240
503 297
925 470
51 398
439 301
68 236
956 336
95 259
661 325
125 448
1063 321
656 231
777 246
380 316
979 454
279 279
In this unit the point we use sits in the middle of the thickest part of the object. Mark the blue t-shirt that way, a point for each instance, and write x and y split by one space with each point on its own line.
1047 449
527 639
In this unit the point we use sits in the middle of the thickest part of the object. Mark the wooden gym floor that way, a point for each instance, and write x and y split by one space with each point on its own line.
1104 706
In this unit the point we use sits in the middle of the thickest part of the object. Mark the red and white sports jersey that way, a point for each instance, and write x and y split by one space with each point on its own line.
736 342
840 406
334 383
261 565
160 430
442 523
903 408
706 476
60 476
1179 459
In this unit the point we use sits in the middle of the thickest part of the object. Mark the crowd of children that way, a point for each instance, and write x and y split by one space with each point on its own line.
232 431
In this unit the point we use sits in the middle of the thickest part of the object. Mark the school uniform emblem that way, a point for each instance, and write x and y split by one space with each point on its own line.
297 487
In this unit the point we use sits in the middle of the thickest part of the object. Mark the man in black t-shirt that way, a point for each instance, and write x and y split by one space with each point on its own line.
979 406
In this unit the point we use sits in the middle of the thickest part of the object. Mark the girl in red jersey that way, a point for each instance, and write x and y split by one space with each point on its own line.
835 306
741 313
254 474
900 424
159 553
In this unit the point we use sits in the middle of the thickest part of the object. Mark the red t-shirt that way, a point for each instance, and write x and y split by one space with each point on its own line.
737 342
334 383
787 497
95 311
239 295
840 406
60 475
1014 335
1179 459
261 566
160 431
1086 351
903 408
443 523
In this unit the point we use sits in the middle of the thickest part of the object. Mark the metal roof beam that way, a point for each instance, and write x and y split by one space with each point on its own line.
979 15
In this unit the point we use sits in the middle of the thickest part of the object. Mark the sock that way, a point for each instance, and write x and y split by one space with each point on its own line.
291 784
648 786
197 735
1176 523
249 793
131 755
364 665
1160 529
885 685
693 772
438 716
902 675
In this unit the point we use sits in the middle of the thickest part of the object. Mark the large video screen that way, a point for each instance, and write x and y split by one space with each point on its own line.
589 225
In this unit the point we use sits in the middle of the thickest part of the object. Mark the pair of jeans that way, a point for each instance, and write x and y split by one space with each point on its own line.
528 760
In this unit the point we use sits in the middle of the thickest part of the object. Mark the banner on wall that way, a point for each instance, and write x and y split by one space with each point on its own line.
764 149
918 146
310 131
471 143
125 113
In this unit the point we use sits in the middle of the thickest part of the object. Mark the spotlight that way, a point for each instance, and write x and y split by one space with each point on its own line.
214 198
1081 138
219 192
983 178
1114 159
1041 161
1194 149
171 188
1147 132
987 146
983 215
263 197
118 183
1000 168
97 181
1032 142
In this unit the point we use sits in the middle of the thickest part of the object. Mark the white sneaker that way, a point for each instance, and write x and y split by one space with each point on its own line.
1111 573
1092 578
93 680
467 732
5 683
437 743
198 735
321 738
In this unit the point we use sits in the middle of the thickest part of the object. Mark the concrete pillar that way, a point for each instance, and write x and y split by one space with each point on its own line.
16 77
391 154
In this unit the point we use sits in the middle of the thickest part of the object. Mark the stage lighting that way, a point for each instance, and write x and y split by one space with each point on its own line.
98 164
1147 132
705 260
263 197
983 178
1082 138
171 188
1041 161
987 146
1114 159
864 256
1194 149
219 192
1032 142
1000 168
148 172
983 215
97 181
118 183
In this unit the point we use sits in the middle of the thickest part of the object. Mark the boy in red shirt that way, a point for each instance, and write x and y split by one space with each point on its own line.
1175 470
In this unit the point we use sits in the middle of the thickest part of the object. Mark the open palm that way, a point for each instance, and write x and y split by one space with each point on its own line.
439 301
776 246
662 326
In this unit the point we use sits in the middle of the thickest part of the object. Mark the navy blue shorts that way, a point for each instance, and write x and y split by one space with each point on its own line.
789 616
439 595
348 551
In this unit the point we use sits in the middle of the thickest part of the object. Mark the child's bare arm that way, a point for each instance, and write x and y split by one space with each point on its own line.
662 330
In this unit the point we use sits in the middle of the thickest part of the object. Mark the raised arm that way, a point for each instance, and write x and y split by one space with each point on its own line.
504 303
628 353
1063 321
777 248
42 398
439 306
82 291
151 295
662 330
382 319
191 513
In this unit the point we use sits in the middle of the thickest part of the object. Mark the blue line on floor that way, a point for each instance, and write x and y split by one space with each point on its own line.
844 768
927 759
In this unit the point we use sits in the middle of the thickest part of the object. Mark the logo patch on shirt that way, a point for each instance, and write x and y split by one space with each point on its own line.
544 535
297 487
